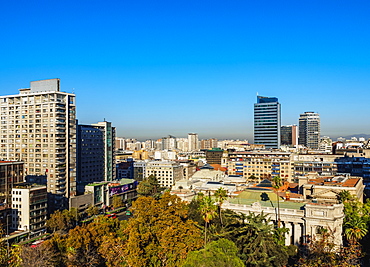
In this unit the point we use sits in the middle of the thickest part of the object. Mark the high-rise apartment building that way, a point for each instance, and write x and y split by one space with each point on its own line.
289 135
38 127
208 143
267 122
309 130
193 141
95 152
169 143
120 143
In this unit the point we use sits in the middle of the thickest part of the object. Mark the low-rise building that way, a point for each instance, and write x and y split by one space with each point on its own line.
261 165
303 218
166 172
140 170
29 208
103 192
326 189
208 173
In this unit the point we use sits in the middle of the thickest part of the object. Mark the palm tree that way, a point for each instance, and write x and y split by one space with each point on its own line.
355 229
254 237
221 196
208 211
344 196
277 183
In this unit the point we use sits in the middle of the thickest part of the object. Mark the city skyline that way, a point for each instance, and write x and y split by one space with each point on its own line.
154 69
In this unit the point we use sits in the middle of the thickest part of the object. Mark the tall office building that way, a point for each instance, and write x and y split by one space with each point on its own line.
95 152
267 122
309 130
38 127
193 141
289 135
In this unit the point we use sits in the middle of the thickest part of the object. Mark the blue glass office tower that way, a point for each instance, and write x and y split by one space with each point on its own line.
267 122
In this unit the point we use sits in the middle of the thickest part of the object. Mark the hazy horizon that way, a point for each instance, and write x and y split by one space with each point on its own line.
173 67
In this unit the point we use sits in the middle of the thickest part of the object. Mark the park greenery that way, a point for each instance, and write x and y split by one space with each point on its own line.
165 231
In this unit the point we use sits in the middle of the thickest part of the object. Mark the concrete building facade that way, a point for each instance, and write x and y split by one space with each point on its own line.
193 142
261 165
29 208
167 172
38 127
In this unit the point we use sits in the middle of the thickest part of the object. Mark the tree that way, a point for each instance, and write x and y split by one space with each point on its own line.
117 202
208 210
254 236
149 187
355 229
82 249
160 233
42 255
92 210
344 196
84 243
4 250
221 196
62 220
220 253
277 184
252 177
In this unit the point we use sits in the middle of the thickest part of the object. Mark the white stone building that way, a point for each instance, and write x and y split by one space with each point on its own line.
167 172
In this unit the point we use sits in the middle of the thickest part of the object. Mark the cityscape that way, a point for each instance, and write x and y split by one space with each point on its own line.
190 134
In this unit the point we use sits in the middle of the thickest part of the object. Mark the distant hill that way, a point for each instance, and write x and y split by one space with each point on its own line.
348 137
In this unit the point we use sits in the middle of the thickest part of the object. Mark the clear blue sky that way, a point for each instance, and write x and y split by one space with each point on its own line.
155 68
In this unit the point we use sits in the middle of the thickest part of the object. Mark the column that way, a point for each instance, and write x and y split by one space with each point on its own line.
289 234
297 231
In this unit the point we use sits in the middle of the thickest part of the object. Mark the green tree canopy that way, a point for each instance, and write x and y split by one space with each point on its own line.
160 233
149 187
62 220
221 196
256 241
220 253
117 202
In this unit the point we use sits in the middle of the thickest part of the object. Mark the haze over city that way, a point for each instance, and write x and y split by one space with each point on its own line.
164 67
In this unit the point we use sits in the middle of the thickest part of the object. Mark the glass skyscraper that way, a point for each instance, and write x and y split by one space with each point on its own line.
267 122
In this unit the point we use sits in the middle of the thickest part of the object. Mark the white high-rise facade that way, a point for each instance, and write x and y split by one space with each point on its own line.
38 127
193 141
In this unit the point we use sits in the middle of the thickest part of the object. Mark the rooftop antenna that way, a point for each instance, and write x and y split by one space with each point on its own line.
73 90
257 93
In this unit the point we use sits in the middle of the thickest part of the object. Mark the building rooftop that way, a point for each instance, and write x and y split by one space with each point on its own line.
27 186
266 197
336 181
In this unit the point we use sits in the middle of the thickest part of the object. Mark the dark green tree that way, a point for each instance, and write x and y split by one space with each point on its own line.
277 183
149 187
254 237
208 211
221 196
220 253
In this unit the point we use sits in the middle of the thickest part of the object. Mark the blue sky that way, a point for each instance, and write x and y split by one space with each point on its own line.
155 68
